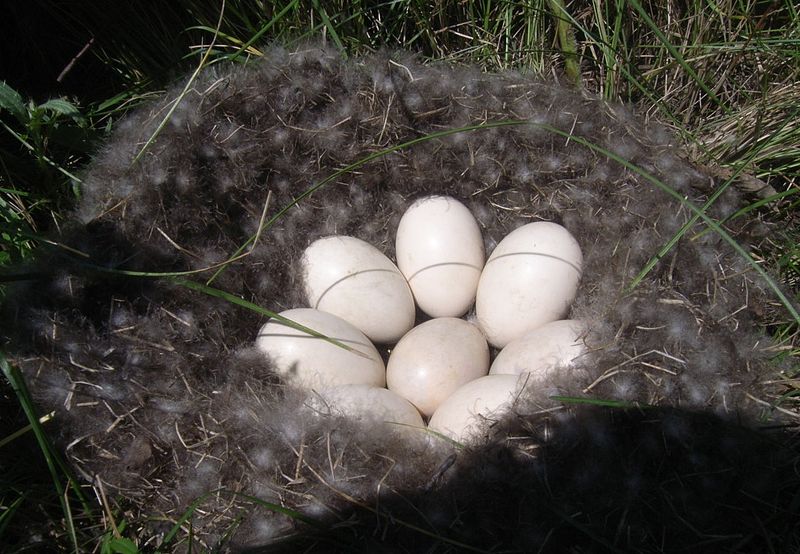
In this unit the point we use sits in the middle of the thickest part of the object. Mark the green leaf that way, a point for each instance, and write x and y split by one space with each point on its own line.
122 546
11 100
59 105
62 107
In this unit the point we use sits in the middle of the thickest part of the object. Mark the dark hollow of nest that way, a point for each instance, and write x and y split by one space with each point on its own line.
161 398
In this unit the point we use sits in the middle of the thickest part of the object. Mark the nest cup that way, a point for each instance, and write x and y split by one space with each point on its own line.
161 396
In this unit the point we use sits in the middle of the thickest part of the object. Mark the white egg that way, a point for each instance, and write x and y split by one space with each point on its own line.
312 362
530 279
434 359
467 412
553 345
352 279
440 251
368 404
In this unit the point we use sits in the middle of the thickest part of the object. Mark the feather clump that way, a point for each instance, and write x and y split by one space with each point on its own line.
162 397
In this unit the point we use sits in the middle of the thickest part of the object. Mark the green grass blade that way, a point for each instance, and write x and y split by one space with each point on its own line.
355 165
690 205
19 230
585 529
183 93
438 435
416 528
677 55
8 513
329 25
597 402
52 459
217 293
278 509
14 191
47 160
219 34
269 25
173 532
121 545
754 206
233 299
19 432
670 244
693 220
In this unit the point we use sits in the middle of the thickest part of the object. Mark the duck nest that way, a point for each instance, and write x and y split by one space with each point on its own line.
647 443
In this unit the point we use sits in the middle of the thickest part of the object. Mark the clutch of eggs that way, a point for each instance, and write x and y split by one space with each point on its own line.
439 369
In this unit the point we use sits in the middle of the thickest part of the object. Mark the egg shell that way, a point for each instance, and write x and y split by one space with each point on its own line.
352 279
434 359
464 414
368 404
553 345
530 279
440 252
312 362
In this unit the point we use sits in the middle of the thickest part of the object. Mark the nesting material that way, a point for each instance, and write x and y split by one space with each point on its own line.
159 393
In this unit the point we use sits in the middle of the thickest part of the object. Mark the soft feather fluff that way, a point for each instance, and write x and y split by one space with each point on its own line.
160 394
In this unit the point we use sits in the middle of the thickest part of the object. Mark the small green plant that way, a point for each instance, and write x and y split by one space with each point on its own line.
13 217
114 543
42 145
56 126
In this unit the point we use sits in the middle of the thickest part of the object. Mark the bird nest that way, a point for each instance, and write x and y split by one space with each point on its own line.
163 403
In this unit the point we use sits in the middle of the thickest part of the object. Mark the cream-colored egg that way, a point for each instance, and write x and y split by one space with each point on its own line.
434 359
553 345
467 412
440 251
530 279
354 280
308 361
368 404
